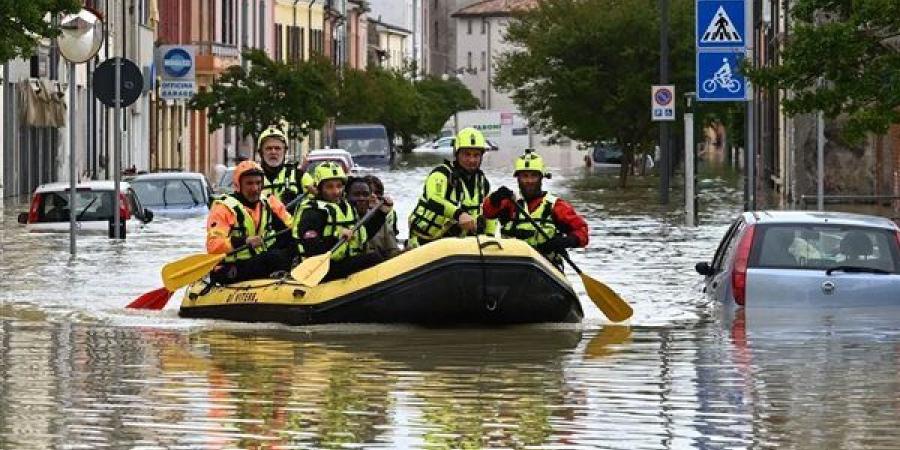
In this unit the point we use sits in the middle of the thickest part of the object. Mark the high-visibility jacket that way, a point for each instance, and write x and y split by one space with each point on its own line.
520 227
245 227
444 198
285 181
340 215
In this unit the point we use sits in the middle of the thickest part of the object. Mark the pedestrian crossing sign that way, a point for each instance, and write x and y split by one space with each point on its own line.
721 24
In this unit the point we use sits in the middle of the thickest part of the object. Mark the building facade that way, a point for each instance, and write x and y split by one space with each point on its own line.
480 28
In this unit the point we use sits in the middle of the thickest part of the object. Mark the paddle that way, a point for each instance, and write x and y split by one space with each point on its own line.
615 308
313 269
185 271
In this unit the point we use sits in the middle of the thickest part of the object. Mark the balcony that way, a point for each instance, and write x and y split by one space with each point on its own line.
215 57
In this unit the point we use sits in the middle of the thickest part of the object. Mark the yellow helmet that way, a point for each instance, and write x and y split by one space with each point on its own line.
329 171
469 138
271 132
530 161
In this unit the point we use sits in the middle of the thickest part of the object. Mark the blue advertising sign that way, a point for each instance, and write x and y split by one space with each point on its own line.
721 24
177 62
718 78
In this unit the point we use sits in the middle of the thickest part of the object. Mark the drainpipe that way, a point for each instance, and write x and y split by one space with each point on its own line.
309 24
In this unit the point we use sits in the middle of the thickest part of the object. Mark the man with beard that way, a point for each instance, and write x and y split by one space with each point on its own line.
451 200
563 227
281 179
244 219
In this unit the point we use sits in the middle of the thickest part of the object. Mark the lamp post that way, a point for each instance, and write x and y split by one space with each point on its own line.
81 38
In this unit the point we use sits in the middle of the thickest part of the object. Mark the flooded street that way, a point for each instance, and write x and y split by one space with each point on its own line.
78 370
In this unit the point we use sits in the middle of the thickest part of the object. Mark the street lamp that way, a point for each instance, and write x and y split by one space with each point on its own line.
80 40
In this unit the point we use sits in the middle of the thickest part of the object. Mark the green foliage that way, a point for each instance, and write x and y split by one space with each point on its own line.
23 25
271 93
406 108
440 99
861 75
585 67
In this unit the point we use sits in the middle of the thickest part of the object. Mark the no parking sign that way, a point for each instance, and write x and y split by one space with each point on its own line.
662 103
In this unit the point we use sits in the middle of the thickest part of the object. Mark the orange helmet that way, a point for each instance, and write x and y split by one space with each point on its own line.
246 168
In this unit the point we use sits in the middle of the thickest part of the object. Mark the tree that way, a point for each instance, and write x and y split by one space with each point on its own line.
272 92
405 107
24 24
440 99
583 68
842 43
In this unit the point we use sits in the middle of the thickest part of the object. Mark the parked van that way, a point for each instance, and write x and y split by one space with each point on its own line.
368 144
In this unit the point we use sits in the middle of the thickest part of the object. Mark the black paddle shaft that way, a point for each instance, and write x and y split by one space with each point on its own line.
361 222
563 253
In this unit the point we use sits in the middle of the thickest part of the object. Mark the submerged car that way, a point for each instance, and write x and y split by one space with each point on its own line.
367 143
174 194
339 156
49 211
806 259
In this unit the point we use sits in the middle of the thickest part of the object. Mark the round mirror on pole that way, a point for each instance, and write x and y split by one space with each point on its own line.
80 39
82 36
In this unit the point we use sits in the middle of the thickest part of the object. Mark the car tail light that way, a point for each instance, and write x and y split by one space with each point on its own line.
35 206
741 260
124 210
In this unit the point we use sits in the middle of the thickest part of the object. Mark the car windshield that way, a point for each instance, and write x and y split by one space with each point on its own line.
168 192
607 153
363 141
822 247
89 205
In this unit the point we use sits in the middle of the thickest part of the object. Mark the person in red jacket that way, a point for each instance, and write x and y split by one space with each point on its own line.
562 227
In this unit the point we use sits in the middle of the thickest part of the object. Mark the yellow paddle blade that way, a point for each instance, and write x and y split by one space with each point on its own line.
312 270
606 299
189 269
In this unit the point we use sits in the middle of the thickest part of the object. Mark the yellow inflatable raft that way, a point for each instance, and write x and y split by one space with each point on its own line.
447 282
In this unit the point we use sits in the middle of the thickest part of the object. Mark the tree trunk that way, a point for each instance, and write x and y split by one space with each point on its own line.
895 167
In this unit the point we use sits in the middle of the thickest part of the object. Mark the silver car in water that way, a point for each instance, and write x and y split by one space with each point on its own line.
806 259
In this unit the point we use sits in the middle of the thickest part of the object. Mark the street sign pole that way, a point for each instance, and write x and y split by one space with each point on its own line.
751 118
73 185
117 148
689 148
80 39
664 156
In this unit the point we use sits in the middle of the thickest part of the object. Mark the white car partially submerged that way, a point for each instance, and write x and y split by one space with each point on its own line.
49 211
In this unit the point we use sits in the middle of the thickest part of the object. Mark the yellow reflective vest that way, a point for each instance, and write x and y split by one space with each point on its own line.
521 228
340 215
444 195
285 181
245 228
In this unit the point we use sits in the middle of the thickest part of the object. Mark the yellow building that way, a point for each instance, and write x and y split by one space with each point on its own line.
298 34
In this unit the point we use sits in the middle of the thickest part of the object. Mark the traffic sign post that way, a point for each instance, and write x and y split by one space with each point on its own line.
721 27
718 77
662 103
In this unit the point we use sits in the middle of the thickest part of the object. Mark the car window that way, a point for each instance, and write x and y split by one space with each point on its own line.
89 205
819 247
163 192
724 244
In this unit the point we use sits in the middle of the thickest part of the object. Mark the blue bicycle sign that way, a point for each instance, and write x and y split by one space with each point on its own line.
718 77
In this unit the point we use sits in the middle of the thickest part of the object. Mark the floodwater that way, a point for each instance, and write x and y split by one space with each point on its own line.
77 370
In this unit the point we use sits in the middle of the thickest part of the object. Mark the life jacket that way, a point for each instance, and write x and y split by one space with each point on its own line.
245 228
427 220
285 181
520 227
340 215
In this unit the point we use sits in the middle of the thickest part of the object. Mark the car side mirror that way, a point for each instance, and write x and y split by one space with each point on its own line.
703 268
148 215
23 218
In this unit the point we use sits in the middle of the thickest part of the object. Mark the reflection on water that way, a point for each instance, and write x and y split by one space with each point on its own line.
78 386
78 371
